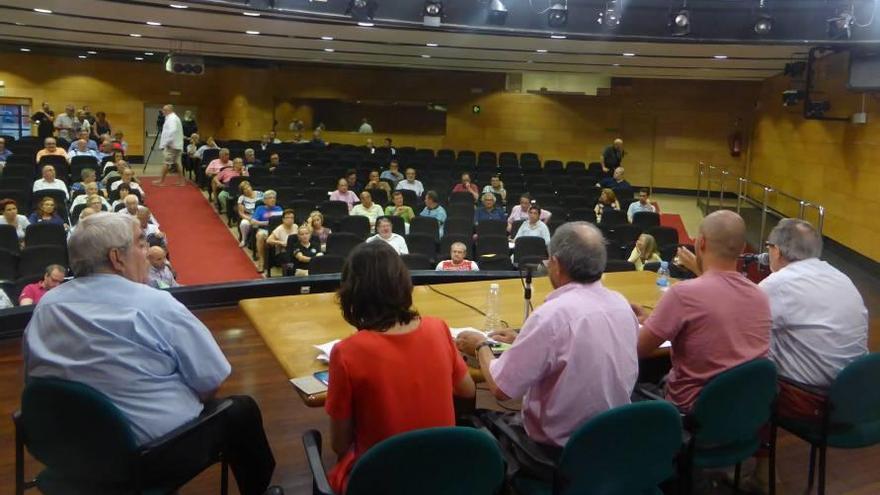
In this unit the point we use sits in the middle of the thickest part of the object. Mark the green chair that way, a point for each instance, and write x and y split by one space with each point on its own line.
726 422
88 447
851 418
628 450
433 461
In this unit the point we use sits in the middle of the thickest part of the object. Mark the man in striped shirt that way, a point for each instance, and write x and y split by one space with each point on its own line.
458 264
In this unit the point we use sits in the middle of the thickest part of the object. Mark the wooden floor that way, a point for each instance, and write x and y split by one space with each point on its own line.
255 372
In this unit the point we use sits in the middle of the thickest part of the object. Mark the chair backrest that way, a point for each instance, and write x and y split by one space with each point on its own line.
459 226
626 234
424 244
417 261
341 243
854 396
461 197
614 217
614 265
492 245
9 238
463 210
355 224
529 250
45 234
398 226
492 227
646 219
425 225
76 431
604 455
326 264
735 404
430 462
663 235
35 259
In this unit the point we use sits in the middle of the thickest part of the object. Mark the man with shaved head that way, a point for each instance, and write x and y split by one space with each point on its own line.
716 321
161 275
575 355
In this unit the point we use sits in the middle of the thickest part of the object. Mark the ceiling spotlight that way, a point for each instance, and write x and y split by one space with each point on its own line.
149 54
497 12
628 54
329 50
610 16
557 16
139 58
432 45
178 6
680 21
135 35
764 22
251 14
425 55
362 10
558 36
719 57
153 23
252 32
541 50
25 49
433 13
43 11
327 38
83 56
92 52
365 24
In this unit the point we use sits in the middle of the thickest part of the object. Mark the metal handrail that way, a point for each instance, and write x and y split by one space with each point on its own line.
723 177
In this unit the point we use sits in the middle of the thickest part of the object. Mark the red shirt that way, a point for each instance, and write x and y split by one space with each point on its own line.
390 384
470 187
34 291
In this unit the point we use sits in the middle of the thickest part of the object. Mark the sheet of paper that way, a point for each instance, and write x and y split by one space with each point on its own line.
324 350
456 331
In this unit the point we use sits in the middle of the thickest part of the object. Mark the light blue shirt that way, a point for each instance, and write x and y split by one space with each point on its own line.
91 144
636 207
438 213
539 230
137 345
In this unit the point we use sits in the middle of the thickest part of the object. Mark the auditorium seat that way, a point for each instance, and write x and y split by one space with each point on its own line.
425 225
619 266
35 259
614 217
459 226
342 243
398 226
553 167
575 168
614 250
493 246
595 169
423 244
417 262
529 250
582 215
492 227
625 234
9 263
321 265
645 219
45 234
663 235
355 224
461 210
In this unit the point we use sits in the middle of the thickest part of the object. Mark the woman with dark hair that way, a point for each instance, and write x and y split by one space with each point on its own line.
398 372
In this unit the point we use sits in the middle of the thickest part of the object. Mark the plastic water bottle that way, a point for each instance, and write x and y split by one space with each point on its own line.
493 320
663 275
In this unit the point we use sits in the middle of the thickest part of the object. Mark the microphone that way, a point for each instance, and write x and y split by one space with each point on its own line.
762 259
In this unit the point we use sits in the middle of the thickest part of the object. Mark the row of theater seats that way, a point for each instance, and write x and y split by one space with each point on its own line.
46 244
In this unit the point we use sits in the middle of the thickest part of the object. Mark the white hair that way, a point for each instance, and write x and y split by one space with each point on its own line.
90 243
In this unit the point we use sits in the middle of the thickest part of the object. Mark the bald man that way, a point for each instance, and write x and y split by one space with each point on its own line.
716 321
161 275
612 156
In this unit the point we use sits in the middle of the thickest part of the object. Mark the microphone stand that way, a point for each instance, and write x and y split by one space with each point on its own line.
527 293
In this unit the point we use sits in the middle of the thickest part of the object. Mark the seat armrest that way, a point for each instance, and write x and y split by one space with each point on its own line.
312 445
211 416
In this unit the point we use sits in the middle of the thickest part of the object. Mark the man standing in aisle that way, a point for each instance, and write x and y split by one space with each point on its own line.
612 157
171 143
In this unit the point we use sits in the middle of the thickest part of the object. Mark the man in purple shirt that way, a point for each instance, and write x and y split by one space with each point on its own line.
575 356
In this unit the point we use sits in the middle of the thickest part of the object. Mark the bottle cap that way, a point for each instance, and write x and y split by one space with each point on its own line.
664 264
494 286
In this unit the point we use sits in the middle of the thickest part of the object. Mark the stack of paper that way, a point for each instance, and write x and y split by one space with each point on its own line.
456 331
324 350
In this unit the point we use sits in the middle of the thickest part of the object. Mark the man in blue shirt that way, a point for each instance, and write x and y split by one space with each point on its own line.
434 210
141 348
84 135
643 204
489 211
4 153
616 181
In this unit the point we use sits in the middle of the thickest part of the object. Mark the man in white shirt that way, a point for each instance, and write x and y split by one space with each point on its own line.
171 144
643 204
384 232
64 123
410 183
367 208
50 182
819 323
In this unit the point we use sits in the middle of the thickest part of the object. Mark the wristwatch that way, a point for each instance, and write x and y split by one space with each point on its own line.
482 344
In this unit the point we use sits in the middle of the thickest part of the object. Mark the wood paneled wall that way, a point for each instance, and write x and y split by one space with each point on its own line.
836 164
668 126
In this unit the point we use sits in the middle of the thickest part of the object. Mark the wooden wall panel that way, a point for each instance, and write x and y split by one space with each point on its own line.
668 126
836 164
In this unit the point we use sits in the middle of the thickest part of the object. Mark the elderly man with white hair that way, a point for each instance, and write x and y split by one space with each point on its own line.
152 358
48 181
80 147
82 135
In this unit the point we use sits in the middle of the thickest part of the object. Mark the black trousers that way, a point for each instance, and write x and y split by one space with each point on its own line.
245 446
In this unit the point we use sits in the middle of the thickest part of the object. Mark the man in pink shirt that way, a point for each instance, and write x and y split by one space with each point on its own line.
575 356
32 293
221 180
218 164
716 321
343 194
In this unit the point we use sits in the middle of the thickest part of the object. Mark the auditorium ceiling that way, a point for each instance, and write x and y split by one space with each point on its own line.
319 32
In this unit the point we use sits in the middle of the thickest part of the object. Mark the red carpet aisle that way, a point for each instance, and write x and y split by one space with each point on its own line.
674 221
203 250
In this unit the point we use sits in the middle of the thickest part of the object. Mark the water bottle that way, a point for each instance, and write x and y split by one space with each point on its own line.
663 275
493 321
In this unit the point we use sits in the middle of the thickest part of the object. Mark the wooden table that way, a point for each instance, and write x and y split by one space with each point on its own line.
292 325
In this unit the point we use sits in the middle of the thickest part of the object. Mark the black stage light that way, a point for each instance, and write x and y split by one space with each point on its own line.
497 12
764 22
610 16
557 16
433 13
680 21
362 10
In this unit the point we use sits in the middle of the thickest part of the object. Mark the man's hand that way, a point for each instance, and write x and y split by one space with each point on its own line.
507 336
640 312
467 342
688 260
